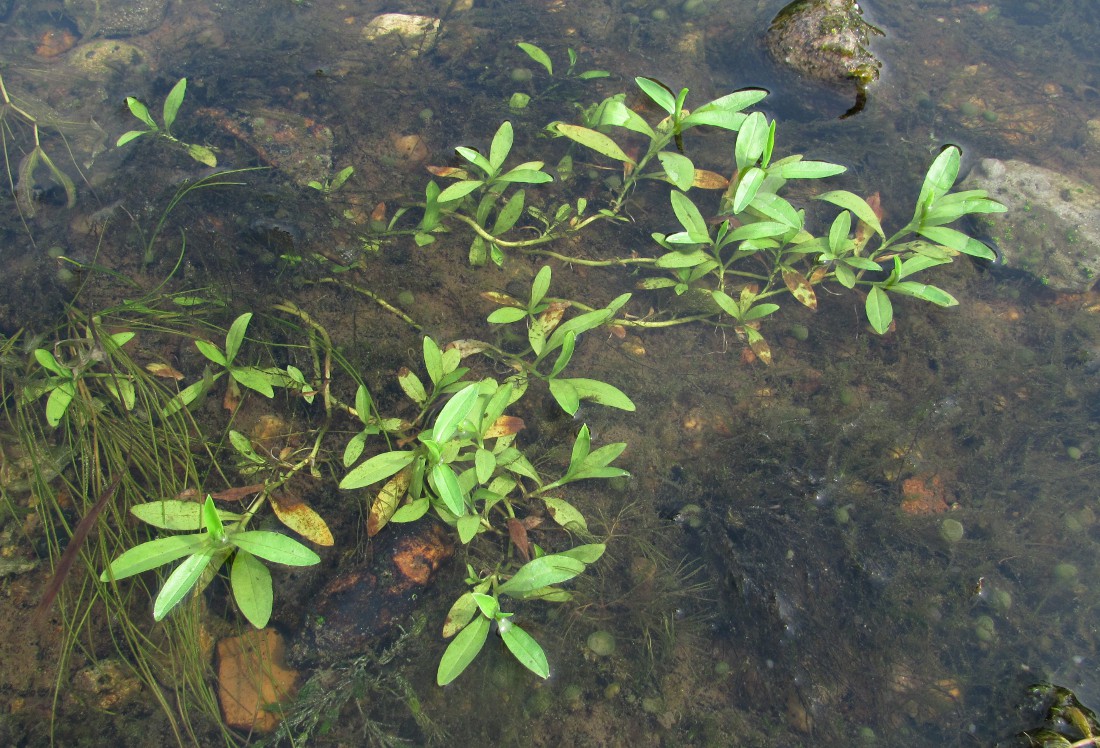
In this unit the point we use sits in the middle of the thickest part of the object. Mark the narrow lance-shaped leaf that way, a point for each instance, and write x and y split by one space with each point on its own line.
173 101
597 141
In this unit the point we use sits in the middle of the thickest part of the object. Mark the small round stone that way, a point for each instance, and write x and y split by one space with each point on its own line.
522 75
659 14
1065 572
985 629
1074 453
722 668
406 299
951 530
969 109
800 332
612 690
989 116
602 643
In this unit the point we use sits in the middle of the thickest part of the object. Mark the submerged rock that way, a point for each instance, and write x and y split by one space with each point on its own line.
363 606
1052 228
826 40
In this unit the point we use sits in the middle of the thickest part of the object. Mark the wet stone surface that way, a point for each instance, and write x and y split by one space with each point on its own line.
363 605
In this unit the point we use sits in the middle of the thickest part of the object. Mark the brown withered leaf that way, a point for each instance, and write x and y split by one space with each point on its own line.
618 331
517 532
759 346
299 517
467 347
501 298
818 274
163 370
504 426
800 288
387 500
709 180
553 314
379 213
237 493
232 399
447 171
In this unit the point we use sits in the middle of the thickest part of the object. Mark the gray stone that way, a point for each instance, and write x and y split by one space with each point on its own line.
117 18
1052 227
825 40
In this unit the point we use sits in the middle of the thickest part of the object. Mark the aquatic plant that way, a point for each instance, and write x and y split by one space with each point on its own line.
757 248
172 103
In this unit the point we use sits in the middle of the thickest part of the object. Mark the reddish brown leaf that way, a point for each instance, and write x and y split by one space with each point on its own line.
453 172
163 370
518 534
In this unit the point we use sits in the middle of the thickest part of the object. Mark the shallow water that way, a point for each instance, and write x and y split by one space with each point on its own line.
763 584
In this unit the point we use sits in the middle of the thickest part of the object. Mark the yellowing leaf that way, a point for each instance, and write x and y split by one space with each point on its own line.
709 180
800 288
452 172
504 426
297 515
758 345
163 370
385 503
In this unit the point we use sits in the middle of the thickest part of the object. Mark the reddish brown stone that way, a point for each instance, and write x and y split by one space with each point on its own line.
252 676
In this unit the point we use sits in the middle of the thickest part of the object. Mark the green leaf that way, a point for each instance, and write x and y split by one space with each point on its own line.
727 303
810 170
679 169
541 572
614 112
566 354
487 604
433 362
506 315
181 581
235 337
501 146
461 613
509 214
690 218
751 140
525 176
589 553
171 107
597 141
376 468
581 448
126 137
462 651
838 232
412 512
57 404
212 522
212 352
254 379
747 188
140 111
857 205
539 286
678 259
459 190
565 394
412 386
456 410
565 514
957 241
485 463
154 553
202 154
174 514
941 176
778 209
660 95
467 527
524 648
536 54
880 312
601 393
447 487
274 546
251 583
923 291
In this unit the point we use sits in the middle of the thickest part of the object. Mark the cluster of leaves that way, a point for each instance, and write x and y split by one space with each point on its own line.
172 103
761 246
467 469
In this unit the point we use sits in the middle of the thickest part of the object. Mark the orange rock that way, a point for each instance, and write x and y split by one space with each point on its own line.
924 494
55 42
252 676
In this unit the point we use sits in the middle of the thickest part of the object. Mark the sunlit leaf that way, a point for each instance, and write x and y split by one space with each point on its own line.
251 583
301 518
524 648
597 141
462 651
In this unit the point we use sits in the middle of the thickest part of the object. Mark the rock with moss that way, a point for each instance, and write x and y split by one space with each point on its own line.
827 41
1052 228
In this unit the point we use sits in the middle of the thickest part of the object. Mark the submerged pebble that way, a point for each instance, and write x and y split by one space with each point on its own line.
602 643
